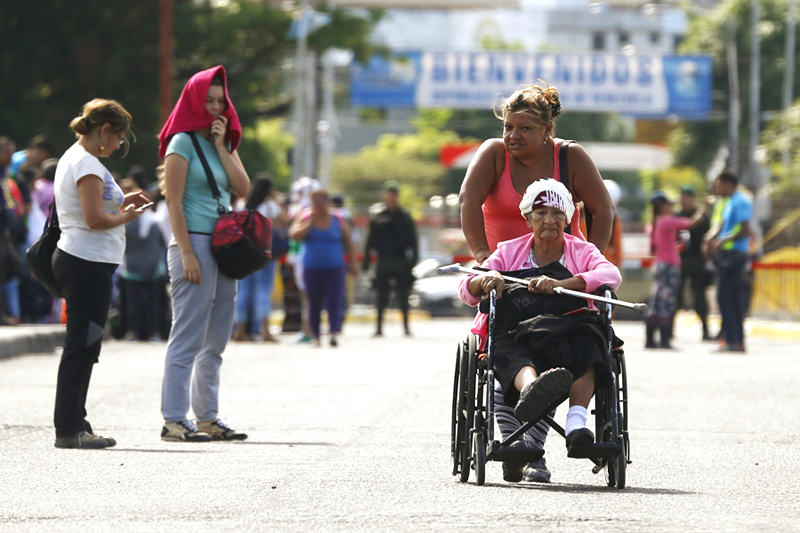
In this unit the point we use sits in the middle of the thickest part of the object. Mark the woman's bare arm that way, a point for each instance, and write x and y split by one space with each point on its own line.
588 187
90 191
482 175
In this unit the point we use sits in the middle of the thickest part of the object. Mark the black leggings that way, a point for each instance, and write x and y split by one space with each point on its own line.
87 291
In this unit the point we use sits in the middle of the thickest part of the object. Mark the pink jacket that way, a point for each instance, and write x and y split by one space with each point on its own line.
582 258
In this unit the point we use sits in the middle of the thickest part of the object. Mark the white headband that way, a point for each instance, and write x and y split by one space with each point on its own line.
547 192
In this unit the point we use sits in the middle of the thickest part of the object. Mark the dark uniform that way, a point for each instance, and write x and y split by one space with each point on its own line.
393 237
693 269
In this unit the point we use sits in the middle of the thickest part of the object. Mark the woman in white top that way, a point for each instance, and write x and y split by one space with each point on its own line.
92 212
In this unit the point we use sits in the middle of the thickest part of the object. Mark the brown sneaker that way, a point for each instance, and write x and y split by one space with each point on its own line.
219 430
183 431
85 441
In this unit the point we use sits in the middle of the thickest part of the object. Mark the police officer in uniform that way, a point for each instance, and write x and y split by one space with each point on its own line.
393 238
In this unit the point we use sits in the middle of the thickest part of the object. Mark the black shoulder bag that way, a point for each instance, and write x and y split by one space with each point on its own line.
40 254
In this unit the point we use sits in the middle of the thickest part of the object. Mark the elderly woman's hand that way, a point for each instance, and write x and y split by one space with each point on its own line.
543 285
492 280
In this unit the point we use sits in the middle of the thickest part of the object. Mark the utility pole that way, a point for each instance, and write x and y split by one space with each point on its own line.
304 99
753 180
788 77
327 128
165 60
300 96
734 104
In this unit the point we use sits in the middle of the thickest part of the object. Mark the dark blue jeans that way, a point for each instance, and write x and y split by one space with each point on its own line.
730 295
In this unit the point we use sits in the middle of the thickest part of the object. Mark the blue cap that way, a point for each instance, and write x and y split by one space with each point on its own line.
659 196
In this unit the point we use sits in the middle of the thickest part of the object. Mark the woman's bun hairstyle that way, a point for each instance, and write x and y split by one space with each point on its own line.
539 99
554 99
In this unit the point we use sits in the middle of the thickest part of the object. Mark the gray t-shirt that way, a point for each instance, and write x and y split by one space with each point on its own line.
102 246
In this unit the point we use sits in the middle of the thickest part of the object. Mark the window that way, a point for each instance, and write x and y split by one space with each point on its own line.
655 38
598 41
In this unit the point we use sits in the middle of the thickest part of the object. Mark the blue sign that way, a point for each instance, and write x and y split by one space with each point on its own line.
650 85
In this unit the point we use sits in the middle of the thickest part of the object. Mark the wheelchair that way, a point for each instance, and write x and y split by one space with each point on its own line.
472 442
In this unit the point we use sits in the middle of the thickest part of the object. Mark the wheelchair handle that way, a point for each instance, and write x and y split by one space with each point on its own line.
638 307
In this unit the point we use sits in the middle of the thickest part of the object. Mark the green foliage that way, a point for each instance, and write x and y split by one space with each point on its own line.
362 176
696 143
424 145
58 54
264 147
782 133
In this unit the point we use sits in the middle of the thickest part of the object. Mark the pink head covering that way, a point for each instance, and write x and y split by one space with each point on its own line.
190 114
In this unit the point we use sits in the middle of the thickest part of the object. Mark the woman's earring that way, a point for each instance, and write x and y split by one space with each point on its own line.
102 148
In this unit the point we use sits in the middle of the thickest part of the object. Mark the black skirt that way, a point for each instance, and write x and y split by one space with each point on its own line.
577 351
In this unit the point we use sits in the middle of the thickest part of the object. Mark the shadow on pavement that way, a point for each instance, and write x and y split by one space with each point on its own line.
158 450
573 487
290 444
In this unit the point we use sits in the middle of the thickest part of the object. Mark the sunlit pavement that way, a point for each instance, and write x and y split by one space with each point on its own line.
357 438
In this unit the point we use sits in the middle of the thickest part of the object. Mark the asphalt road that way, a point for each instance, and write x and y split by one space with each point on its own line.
357 438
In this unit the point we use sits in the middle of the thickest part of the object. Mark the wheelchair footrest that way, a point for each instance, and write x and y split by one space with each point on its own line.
600 450
498 452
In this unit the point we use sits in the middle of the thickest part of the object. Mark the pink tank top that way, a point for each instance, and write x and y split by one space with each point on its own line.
501 217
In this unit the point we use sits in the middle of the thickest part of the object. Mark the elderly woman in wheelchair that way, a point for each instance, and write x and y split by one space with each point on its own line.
546 346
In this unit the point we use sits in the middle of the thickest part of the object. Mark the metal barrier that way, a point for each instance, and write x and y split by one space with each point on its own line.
776 289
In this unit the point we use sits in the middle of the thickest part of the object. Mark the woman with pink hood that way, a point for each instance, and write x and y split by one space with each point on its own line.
203 299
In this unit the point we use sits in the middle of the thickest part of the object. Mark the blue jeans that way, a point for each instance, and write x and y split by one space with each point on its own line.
254 298
730 295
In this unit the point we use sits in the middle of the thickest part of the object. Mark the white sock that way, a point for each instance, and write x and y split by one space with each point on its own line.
576 418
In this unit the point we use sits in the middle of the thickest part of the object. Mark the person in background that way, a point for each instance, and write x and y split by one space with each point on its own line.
143 272
203 299
34 155
325 242
296 312
254 298
92 211
492 189
393 237
7 148
337 203
693 262
667 266
729 245
16 235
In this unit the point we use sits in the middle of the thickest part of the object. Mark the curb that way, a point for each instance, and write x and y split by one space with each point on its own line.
30 339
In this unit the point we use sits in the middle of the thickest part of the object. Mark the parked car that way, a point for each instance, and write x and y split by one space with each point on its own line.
437 293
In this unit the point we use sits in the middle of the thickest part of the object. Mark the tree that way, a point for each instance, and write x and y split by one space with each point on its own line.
58 54
696 143
362 177
783 133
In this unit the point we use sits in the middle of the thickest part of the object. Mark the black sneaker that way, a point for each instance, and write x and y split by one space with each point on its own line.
538 397
536 472
219 430
580 437
85 441
512 471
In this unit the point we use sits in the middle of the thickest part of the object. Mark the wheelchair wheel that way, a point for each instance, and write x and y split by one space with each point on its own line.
455 431
610 425
479 457
466 405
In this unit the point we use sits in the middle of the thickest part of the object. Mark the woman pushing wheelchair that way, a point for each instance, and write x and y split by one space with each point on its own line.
546 346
